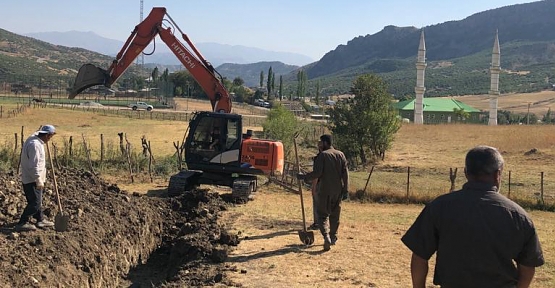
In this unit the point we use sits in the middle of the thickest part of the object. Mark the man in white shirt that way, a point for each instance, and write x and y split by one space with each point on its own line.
33 176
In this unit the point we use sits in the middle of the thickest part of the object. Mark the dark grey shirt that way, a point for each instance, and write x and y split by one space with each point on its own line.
330 166
477 233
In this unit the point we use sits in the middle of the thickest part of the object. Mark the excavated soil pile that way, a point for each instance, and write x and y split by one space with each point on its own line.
115 239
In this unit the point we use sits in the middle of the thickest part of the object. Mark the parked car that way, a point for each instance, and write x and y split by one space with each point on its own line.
330 102
141 105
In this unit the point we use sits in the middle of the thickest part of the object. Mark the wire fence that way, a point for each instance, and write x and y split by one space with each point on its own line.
171 115
395 184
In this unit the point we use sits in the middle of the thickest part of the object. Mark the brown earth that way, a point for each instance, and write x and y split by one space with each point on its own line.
115 239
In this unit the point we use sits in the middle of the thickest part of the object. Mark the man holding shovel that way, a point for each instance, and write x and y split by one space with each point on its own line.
330 168
33 176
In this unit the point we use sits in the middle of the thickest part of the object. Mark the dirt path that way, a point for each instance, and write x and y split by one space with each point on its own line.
369 252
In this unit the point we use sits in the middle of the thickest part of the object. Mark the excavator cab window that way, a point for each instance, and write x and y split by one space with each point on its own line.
206 133
232 132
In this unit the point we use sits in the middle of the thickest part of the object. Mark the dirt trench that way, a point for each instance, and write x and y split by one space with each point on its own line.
115 239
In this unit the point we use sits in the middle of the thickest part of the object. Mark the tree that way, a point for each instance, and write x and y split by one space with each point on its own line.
547 118
261 78
154 75
165 75
461 114
238 81
242 94
274 82
187 84
301 84
269 83
280 87
281 124
364 127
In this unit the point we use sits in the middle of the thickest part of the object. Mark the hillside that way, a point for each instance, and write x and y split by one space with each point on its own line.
251 72
29 61
458 54
26 56
449 40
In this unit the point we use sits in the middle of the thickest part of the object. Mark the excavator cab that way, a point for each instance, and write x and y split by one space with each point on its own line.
88 76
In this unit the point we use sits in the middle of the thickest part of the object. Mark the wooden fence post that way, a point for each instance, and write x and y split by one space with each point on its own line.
368 180
541 191
144 144
128 152
71 146
22 140
21 151
452 178
408 183
178 154
150 153
121 147
16 143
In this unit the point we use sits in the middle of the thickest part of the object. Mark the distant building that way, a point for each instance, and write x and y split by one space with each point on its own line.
440 110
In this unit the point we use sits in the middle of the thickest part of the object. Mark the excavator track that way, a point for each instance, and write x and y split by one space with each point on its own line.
181 182
243 188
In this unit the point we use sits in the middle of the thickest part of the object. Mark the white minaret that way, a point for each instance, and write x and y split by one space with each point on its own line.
420 89
495 69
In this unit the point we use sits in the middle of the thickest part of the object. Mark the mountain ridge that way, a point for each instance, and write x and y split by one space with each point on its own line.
215 53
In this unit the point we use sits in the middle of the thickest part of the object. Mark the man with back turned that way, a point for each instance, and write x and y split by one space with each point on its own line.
482 239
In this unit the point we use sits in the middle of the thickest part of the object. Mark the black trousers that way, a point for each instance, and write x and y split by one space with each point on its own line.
34 203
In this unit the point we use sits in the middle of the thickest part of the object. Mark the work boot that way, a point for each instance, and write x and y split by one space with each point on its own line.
25 227
45 224
327 243
333 239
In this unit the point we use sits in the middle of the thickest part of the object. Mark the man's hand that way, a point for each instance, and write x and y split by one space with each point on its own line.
301 176
39 186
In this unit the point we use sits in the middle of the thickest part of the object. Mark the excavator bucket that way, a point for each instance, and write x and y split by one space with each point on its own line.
88 76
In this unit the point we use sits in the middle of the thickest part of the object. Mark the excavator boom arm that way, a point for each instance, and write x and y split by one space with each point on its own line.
201 70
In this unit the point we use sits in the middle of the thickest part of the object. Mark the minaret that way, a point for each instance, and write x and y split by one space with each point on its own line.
495 69
420 89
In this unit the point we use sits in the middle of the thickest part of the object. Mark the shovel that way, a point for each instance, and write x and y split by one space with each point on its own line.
61 220
307 237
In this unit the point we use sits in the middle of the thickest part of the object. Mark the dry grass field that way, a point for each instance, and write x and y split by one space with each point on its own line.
540 102
369 252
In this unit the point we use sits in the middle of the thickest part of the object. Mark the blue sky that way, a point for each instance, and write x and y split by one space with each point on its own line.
308 27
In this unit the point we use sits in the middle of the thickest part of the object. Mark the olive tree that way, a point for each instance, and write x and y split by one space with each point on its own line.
281 124
364 126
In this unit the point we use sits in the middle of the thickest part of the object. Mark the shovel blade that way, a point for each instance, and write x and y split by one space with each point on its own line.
61 222
307 237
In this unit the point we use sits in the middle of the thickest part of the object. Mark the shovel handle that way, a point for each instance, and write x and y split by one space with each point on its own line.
299 180
54 177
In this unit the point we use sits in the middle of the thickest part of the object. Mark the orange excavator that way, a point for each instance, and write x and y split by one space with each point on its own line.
216 150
